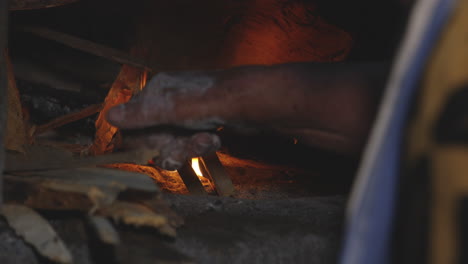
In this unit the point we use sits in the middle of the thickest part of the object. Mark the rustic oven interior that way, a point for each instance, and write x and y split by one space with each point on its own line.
261 199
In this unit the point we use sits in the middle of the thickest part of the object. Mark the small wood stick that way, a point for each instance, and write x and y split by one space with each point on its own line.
87 46
69 118
190 179
218 175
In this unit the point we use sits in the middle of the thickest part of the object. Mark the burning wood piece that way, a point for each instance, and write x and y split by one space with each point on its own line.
169 181
128 82
16 138
88 46
191 180
218 175
37 232
66 119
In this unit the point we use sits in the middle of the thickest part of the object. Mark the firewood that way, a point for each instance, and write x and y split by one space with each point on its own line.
217 173
16 138
3 85
88 46
127 83
191 180
66 119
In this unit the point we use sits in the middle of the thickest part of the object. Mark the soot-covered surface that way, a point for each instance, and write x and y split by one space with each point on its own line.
229 230
216 230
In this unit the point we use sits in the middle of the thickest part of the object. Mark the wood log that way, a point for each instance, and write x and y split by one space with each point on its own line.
127 83
88 46
218 175
66 119
191 180
16 137
3 86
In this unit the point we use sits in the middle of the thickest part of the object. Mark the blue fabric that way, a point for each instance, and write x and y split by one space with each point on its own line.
369 225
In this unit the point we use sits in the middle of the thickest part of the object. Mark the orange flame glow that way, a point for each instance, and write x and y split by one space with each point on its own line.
196 167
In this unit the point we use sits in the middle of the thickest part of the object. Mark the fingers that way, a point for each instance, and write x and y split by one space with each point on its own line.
168 98
203 143
153 106
175 151
127 116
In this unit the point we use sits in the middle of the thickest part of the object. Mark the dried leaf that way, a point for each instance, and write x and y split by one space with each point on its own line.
36 231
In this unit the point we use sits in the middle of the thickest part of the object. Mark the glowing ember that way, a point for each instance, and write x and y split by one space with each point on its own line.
196 167
209 187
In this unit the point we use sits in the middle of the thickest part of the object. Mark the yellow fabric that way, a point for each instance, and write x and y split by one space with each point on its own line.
446 72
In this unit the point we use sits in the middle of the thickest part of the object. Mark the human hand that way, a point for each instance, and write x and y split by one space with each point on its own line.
172 115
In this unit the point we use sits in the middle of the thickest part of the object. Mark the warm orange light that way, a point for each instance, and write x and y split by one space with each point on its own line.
196 167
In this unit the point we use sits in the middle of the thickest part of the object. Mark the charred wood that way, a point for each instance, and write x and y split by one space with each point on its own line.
128 82
43 105
88 46
3 86
16 136
66 119
217 173
191 180
59 67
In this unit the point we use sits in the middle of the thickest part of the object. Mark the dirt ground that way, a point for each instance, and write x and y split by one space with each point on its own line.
216 230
